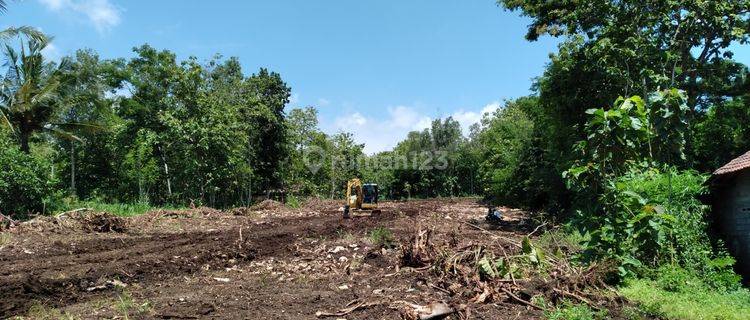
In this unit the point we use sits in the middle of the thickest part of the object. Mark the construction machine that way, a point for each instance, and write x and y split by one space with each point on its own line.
360 198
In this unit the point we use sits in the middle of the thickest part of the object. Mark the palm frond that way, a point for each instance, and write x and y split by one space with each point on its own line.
78 126
62 134
11 61
6 121
25 31
47 93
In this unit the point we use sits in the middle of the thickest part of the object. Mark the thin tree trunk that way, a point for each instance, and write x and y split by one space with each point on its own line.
166 171
24 137
72 168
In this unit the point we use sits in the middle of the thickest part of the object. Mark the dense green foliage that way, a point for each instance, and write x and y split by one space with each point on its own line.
25 183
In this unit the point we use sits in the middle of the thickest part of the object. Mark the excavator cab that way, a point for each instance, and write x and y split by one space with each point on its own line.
360 197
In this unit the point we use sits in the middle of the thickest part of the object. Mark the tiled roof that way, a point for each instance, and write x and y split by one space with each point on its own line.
740 163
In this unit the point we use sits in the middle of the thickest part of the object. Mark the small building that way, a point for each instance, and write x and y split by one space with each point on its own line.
731 209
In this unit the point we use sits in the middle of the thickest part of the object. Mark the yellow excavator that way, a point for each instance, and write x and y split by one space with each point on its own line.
360 198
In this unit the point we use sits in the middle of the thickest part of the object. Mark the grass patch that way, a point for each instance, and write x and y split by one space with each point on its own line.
382 237
42 312
570 311
686 297
5 239
118 209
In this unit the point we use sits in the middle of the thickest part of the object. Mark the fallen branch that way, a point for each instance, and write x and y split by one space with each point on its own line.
577 297
439 288
536 229
240 243
411 269
510 294
73 211
435 310
354 306
10 222
511 241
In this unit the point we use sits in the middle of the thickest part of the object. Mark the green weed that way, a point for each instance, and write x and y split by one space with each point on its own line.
126 305
571 311
293 202
5 239
382 237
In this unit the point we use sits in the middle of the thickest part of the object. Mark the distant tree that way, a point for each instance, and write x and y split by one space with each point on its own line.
345 154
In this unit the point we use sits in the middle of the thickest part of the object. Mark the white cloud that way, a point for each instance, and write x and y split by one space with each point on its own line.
323 102
382 134
53 4
51 52
423 123
467 118
102 14
403 117
347 121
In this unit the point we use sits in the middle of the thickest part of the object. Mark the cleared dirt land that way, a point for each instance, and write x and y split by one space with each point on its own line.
266 262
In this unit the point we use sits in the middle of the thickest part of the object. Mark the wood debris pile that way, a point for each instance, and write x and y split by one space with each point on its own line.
510 272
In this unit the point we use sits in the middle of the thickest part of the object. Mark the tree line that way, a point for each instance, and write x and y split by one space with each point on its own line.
152 129
157 130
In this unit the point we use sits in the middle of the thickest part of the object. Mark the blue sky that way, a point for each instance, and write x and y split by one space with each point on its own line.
375 68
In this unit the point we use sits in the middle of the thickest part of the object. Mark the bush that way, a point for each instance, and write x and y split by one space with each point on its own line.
653 217
25 183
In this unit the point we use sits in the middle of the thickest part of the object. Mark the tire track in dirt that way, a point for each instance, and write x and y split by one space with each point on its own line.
61 274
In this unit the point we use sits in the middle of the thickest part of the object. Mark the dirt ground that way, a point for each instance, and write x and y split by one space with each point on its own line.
267 262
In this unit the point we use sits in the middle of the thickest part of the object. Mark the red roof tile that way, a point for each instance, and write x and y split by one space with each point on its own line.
740 163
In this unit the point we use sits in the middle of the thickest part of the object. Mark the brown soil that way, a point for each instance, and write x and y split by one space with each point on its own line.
204 263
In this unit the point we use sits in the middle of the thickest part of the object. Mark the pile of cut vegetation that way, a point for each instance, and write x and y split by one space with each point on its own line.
267 204
510 271
319 204
84 219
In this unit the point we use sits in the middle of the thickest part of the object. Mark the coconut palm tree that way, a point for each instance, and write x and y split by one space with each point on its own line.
13 32
31 92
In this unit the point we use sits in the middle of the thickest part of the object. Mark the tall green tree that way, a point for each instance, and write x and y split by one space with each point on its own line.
266 117
88 81
505 137
345 155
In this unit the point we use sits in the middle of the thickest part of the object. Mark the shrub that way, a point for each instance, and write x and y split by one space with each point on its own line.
25 183
653 217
